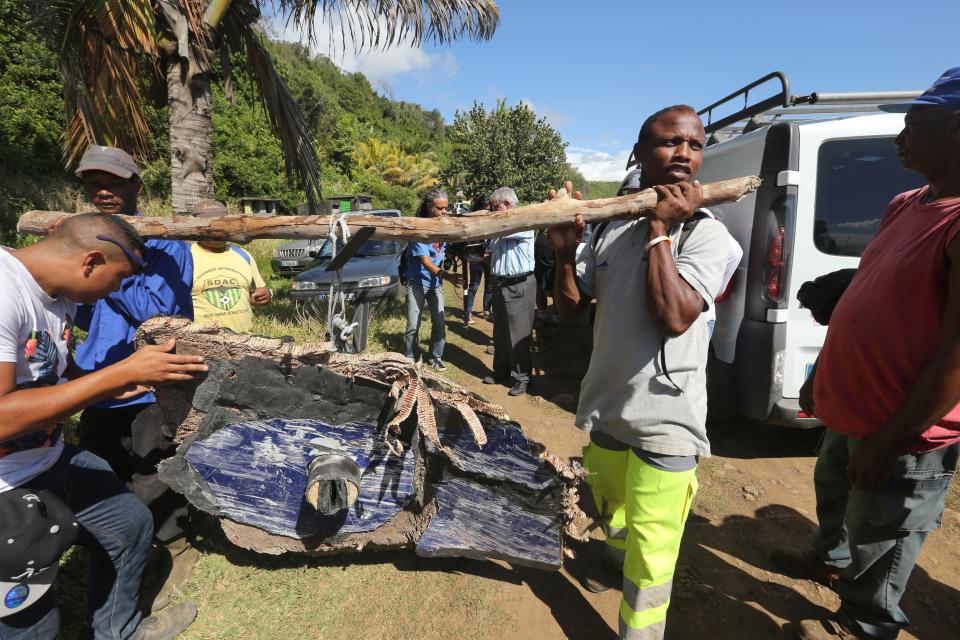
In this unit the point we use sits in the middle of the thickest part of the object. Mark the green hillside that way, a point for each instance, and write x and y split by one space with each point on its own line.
603 189
366 142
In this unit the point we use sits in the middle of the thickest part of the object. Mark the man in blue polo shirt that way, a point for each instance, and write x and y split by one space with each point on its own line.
129 434
514 300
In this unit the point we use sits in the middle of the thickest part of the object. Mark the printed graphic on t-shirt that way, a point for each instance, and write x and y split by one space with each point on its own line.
40 349
42 355
68 336
223 292
222 282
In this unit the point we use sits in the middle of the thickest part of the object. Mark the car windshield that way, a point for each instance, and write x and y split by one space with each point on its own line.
369 248
856 179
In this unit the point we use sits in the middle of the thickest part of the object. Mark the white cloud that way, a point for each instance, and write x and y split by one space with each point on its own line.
598 165
555 118
378 65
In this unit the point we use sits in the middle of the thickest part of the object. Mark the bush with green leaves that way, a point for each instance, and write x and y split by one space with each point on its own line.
506 146
31 119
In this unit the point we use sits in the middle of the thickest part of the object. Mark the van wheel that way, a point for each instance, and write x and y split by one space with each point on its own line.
721 403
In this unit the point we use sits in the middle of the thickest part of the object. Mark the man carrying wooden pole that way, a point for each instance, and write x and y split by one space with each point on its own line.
644 397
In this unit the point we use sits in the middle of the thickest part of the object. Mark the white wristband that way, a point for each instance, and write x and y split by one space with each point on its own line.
657 241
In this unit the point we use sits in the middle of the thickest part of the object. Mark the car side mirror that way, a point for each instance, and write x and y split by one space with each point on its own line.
313 253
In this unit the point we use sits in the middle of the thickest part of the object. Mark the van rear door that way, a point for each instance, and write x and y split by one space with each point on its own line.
848 173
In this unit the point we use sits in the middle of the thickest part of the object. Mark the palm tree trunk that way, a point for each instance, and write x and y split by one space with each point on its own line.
191 133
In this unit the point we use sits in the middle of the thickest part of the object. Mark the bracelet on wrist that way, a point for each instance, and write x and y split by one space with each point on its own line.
657 241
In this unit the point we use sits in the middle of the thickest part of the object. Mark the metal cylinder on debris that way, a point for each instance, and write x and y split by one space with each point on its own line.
333 483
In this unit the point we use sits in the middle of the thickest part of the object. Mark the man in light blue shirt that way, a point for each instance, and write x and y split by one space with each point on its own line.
514 300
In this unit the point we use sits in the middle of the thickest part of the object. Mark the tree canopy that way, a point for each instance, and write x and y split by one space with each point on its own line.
31 118
506 146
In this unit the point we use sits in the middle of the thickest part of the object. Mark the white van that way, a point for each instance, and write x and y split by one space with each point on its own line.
829 168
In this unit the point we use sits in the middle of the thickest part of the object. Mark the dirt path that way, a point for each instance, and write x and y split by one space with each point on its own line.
756 495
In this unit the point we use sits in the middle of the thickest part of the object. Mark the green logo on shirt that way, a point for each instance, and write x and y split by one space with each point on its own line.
224 298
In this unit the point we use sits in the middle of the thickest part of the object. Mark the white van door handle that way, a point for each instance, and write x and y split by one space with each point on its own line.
788 178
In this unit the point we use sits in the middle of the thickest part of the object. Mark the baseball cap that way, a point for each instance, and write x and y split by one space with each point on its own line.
36 527
945 92
209 209
109 159
631 181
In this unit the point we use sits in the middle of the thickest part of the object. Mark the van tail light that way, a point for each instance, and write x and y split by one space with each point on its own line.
775 266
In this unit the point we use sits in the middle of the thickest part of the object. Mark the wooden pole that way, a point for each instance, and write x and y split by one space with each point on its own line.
561 210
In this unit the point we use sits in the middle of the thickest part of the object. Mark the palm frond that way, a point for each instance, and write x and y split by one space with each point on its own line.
286 119
105 47
382 23
103 103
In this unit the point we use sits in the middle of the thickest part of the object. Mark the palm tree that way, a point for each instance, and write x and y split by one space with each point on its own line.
118 55
387 161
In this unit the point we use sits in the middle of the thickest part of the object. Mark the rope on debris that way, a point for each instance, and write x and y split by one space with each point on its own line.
336 300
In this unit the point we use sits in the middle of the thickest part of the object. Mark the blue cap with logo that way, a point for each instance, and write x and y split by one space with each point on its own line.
945 92
36 527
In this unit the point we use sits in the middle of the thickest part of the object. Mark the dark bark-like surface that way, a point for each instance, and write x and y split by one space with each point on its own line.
428 479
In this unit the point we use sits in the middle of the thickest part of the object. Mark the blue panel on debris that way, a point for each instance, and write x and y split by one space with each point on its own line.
258 473
507 456
477 521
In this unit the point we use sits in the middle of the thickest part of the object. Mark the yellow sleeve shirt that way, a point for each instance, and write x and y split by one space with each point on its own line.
222 282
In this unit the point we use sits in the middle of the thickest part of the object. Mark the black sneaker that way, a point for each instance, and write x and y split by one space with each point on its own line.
601 577
519 388
438 365
169 623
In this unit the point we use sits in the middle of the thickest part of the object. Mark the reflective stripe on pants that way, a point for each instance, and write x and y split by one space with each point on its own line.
656 507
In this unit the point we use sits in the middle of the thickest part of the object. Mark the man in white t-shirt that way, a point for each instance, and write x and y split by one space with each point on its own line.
82 261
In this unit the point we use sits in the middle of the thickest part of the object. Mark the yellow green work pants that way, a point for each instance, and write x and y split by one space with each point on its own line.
607 482
647 510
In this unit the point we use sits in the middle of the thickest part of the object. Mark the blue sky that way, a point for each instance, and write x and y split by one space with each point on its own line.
596 69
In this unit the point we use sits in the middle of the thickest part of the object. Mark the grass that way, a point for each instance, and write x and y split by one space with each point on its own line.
307 323
389 595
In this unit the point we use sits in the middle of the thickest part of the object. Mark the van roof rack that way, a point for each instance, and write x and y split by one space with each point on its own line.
785 106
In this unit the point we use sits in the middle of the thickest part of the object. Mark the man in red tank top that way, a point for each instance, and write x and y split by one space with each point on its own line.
887 385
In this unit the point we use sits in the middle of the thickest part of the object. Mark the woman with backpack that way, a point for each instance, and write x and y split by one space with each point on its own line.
425 276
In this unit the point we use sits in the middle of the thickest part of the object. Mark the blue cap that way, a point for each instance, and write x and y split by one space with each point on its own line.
945 92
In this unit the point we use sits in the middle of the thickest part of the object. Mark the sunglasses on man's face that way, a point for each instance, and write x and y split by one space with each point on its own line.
139 264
